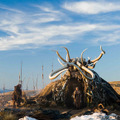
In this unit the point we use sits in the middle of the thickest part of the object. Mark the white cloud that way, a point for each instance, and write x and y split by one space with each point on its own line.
45 20
49 35
48 9
48 27
39 36
10 9
111 38
91 7
26 30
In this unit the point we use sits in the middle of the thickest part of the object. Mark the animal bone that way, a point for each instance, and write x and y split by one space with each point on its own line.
82 55
101 54
78 64
68 55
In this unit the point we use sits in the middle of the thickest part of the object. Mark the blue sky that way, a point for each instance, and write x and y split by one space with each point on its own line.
31 29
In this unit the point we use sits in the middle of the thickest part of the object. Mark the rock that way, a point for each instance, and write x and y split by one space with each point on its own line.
53 104
97 111
27 118
113 116
89 112
39 114
105 111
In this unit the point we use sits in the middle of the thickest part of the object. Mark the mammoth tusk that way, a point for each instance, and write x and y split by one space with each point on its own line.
87 70
93 65
66 58
88 58
52 76
102 49
82 55
101 54
60 62
60 56
68 55
96 75
56 73
84 68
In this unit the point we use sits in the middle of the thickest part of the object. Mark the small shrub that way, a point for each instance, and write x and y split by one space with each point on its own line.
9 117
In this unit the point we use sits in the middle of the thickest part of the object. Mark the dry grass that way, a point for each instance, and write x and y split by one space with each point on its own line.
9 117
49 88
115 82
117 89
6 98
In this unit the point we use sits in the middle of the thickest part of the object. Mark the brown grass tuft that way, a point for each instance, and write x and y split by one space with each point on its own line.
7 116
115 86
10 117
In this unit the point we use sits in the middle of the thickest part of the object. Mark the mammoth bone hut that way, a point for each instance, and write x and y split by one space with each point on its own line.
78 74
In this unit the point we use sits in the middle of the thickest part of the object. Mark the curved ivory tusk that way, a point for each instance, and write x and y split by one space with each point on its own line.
66 58
98 77
56 73
102 49
84 68
101 54
82 55
68 55
93 65
88 58
60 56
60 62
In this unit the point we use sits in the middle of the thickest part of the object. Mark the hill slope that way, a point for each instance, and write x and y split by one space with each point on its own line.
116 86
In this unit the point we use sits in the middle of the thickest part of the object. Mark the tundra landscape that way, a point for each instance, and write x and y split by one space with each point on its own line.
6 102
94 97
59 60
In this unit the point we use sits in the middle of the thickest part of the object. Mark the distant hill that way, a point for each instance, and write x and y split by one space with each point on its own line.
4 91
115 82
116 86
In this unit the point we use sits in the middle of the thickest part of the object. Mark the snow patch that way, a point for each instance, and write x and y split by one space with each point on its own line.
27 118
96 116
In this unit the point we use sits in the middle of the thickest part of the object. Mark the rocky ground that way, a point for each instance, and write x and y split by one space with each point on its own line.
51 113
43 112
6 98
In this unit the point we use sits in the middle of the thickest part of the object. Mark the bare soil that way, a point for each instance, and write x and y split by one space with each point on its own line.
6 102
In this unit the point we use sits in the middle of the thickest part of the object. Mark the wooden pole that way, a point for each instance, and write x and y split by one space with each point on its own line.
42 77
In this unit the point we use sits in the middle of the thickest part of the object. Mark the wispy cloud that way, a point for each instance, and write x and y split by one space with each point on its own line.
92 7
49 26
10 9
110 38
34 37
48 9
39 36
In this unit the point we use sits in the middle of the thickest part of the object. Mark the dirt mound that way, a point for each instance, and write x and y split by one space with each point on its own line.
92 92
47 91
